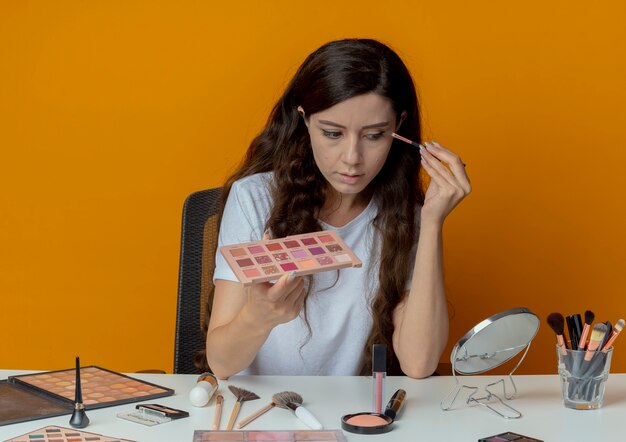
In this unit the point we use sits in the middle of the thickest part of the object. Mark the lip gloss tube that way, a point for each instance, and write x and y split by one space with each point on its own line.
379 373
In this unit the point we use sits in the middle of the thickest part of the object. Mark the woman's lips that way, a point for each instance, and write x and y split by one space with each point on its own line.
350 178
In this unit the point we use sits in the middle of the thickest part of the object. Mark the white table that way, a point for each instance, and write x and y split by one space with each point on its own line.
328 398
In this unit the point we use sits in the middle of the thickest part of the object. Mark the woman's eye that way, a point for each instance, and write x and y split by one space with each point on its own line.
333 135
375 136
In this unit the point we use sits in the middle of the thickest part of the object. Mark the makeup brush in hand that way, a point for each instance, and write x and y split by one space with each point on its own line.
557 323
589 317
293 401
242 396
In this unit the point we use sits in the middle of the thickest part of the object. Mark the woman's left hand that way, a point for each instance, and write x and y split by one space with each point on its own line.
448 185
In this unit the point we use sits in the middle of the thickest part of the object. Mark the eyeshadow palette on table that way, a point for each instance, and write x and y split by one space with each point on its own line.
40 395
277 436
60 434
309 253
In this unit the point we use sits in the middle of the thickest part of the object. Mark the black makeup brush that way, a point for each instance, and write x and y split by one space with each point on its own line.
79 418
242 396
293 401
589 317
557 323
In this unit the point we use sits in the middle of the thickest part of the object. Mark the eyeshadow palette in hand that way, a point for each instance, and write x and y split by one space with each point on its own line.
305 254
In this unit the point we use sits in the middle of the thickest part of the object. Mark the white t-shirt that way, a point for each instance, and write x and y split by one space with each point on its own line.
338 309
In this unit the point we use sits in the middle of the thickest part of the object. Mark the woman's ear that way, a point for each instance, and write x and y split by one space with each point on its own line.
303 115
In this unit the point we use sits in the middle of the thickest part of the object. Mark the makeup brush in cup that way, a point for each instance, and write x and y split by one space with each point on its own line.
614 334
79 418
256 414
589 317
557 323
242 396
293 401
597 335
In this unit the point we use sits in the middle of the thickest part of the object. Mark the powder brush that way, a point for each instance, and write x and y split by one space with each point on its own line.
557 323
293 401
242 396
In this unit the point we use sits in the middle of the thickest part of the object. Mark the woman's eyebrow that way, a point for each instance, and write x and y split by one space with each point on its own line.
369 126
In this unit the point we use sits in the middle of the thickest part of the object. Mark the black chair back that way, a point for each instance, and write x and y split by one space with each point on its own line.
195 277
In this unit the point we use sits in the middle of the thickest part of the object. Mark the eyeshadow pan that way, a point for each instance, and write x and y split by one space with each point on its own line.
272 247
307 263
334 248
316 251
308 241
247 262
299 253
270 270
238 252
292 244
342 258
289 266
324 260
282 256
263 259
256 249
251 273
326 238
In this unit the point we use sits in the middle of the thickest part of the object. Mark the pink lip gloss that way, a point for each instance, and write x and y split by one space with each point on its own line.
379 373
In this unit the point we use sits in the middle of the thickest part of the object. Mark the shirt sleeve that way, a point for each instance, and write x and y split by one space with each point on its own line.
243 220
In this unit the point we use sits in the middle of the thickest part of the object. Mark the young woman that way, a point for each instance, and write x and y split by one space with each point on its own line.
326 160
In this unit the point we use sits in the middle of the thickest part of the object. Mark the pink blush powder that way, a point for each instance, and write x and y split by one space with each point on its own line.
367 420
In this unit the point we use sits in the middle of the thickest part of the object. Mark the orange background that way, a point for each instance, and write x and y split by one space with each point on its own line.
112 112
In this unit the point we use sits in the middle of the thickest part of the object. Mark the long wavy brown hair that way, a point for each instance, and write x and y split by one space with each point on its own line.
335 72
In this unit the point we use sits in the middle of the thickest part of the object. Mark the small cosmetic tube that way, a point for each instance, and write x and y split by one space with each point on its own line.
379 373
395 404
201 394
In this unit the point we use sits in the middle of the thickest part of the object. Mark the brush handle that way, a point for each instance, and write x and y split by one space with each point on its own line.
254 415
309 420
233 416
218 412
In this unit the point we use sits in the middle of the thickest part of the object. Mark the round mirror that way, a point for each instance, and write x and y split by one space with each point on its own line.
494 341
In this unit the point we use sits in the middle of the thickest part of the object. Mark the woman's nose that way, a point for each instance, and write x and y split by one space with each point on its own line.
353 153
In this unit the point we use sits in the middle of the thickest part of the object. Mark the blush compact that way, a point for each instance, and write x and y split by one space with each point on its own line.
372 422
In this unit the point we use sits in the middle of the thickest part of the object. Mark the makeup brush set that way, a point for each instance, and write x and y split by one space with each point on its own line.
584 359
288 400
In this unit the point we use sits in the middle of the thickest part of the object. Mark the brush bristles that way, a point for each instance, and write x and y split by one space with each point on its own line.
589 317
556 322
284 398
599 330
241 394
619 326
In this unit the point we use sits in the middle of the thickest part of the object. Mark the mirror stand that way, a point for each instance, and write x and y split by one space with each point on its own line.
484 401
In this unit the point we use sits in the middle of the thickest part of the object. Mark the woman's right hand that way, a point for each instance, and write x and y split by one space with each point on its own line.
273 304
